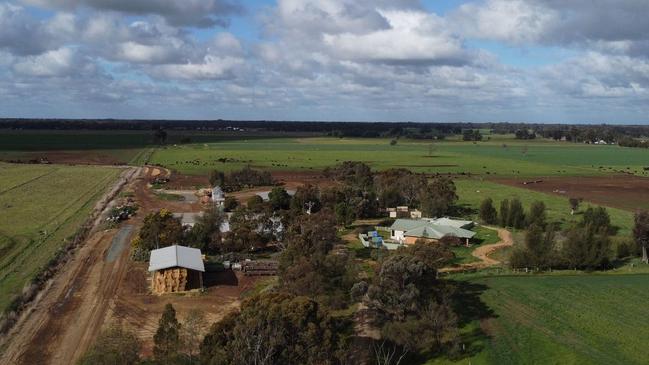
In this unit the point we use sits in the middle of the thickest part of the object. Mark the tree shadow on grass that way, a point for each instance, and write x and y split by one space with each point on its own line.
470 309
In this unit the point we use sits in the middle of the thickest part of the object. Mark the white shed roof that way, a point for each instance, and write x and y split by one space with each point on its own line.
176 256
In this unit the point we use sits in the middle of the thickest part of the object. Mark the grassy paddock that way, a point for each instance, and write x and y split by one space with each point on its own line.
497 157
40 207
473 191
581 319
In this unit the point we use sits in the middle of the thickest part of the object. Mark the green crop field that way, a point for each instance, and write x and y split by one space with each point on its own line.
473 191
503 157
581 319
41 206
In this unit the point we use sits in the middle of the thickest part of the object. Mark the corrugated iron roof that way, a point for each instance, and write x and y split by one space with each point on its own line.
176 256
424 228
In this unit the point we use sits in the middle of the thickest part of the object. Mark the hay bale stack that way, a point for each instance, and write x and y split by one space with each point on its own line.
170 280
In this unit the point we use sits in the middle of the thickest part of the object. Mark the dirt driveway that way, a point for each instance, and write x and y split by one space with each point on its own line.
482 253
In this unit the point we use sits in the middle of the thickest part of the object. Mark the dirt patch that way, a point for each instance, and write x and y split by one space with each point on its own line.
181 182
442 165
289 180
149 202
617 191
141 311
293 179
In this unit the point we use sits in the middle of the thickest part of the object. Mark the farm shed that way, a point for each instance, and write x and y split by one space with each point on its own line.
176 269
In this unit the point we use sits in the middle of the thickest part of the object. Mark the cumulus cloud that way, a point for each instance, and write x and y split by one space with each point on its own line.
584 23
335 59
211 67
23 34
412 37
149 41
56 63
197 13
597 75
217 58
517 21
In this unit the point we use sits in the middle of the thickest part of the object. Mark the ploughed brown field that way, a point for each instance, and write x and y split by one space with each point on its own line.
626 192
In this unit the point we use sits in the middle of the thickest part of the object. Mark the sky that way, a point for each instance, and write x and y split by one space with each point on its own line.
542 61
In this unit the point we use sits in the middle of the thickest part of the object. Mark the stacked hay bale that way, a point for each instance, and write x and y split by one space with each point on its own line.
170 280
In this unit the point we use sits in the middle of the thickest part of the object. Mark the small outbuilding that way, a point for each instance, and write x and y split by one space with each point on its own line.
218 196
176 269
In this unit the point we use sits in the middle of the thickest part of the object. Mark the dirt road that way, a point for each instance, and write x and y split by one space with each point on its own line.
482 253
100 285
41 329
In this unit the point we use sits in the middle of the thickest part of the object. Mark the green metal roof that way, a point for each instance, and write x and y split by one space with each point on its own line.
422 228
406 224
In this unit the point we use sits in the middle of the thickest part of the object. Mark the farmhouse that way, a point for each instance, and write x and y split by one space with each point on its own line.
176 269
407 231
189 219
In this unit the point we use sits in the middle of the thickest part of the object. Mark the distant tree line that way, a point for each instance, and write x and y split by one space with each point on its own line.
471 135
578 133
632 142
524 134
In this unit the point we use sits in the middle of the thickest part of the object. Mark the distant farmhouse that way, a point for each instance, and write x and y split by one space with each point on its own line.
407 231
189 219
176 269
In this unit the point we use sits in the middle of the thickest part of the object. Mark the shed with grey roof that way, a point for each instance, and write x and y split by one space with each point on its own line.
176 269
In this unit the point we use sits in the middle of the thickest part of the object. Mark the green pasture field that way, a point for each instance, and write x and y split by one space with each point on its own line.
92 146
41 206
46 140
473 191
61 140
581 319
518 158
